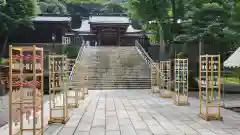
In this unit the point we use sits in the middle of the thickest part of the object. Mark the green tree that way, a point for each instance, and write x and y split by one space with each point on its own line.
16 13
87 1
113 8
208 21
155 11
53 6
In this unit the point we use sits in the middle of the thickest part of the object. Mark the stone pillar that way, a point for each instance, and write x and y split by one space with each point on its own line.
98 37
118 37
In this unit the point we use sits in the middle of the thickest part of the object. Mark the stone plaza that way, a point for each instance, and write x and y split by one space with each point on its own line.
139 112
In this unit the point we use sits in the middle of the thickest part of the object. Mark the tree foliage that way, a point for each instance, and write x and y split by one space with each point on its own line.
53 6
113 8
16 13
215 22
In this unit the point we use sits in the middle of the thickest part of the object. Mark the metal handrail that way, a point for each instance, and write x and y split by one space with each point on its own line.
147 58
145 55
79 56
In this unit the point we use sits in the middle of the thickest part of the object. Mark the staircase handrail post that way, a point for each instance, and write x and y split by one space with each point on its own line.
78 58
148 59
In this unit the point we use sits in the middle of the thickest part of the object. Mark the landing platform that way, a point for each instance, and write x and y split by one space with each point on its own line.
137 112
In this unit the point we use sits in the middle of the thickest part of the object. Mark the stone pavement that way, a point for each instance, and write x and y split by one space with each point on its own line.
138 112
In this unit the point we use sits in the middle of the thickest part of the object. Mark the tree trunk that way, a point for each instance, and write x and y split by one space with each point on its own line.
200 47
4 46
161 41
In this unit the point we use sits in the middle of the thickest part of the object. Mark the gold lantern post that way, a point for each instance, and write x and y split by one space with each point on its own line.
210 87
58 88
26 90
181 82
165 68
154 78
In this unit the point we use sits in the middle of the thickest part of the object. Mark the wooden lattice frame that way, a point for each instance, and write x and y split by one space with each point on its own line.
181 82
210 87
26 90
58 88
165 70
154 78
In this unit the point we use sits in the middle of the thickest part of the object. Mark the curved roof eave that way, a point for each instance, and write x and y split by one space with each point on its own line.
233 60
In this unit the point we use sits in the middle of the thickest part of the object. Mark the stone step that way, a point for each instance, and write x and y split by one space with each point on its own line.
121 87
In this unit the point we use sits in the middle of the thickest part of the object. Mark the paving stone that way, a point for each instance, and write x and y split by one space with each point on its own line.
233 131
81 133
112 124
160 118
146 116
135 118
139 125
72 123
144 132
98 123
141 110
186 129
175 132
111 113
128 130
167 125
203 130
97 131
151 122
66 131
123 122
207 133
158 130
122 115
218 131
113 133
196 126
52 130
84 127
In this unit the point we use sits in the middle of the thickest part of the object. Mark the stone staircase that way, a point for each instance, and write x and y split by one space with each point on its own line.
114 68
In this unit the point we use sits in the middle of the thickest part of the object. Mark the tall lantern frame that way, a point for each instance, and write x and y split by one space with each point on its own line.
58 88
181 82
26 90
165 70
210 87
154 78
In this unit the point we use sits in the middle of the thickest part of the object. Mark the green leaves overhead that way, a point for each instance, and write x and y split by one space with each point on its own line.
150 9
53 7
17 12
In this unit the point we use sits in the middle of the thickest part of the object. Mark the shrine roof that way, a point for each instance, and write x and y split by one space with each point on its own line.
233 60
51 19
130 29
109 19
85 27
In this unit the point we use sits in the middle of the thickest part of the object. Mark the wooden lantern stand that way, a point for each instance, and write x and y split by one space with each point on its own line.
165 69
75 93
154 78
210 87
26 90
181 82
58 88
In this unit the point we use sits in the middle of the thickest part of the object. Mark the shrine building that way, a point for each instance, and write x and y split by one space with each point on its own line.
108 31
